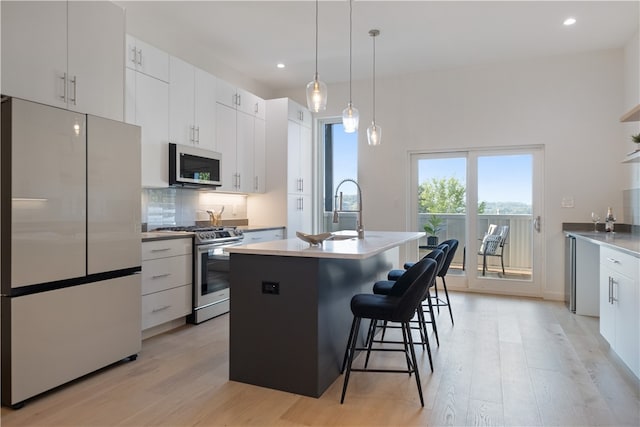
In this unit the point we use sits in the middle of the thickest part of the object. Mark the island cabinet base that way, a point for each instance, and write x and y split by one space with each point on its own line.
290 317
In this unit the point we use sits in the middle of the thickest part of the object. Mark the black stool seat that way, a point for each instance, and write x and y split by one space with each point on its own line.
399 306
382 287
396 273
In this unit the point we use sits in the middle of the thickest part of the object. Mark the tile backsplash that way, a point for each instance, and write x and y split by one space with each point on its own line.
165 207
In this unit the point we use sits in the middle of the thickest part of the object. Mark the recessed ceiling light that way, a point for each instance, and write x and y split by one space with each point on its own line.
569 21
280 65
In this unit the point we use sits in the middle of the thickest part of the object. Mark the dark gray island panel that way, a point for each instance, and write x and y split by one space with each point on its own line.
290 317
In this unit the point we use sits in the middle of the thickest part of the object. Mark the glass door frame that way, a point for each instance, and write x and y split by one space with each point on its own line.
474 281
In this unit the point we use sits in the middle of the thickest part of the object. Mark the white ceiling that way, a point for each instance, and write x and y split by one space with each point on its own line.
252 36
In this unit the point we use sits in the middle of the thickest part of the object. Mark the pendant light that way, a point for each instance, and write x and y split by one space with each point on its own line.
374 132
316 90
350 115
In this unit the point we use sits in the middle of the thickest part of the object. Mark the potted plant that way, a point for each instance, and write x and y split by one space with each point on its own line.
636 138
432 227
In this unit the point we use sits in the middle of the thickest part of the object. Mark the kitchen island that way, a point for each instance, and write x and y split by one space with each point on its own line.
290 306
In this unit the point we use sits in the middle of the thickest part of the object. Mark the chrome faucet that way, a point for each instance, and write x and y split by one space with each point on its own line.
337 207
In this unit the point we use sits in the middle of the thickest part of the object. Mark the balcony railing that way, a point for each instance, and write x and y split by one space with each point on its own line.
517 251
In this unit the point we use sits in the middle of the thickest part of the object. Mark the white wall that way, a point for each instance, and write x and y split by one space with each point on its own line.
631 99
571 105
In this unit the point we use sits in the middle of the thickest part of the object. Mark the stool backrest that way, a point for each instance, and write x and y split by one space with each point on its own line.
453 245
438 256
419 277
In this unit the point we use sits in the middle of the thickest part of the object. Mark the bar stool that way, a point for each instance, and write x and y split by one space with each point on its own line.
396 273
453 245
399 307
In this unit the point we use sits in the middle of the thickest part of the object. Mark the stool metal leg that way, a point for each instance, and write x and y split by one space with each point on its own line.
426 336
348 347
352 349
444 285
415 363
433 320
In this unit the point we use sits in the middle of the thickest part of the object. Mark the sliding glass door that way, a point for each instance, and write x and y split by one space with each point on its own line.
500 237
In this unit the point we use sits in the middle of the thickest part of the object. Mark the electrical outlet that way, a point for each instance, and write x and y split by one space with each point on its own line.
272 288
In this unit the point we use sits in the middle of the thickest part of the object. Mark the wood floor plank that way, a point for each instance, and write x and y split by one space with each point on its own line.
506 361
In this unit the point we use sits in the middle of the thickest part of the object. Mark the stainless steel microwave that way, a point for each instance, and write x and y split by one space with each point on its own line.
193 167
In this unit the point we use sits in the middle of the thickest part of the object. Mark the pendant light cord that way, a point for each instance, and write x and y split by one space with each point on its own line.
350 45
374 79
316 76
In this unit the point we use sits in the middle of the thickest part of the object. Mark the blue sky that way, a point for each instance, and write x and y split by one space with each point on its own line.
505 178
500 178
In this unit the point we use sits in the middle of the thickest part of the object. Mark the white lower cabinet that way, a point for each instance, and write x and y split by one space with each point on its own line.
167 290
263 235
620 305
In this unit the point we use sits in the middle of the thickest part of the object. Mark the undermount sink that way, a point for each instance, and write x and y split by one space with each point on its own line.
342 237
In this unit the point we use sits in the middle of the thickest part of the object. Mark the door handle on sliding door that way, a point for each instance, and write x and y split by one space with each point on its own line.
536 223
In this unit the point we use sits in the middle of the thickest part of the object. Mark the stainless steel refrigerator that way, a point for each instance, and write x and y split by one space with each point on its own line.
70 246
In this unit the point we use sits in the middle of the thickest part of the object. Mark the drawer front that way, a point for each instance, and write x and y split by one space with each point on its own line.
620 262
165 306
166 273
263 236
165 248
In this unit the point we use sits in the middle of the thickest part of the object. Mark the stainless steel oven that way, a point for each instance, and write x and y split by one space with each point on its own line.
211 280
210 269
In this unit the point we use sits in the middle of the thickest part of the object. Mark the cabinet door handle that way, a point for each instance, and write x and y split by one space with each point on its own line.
74 82
239 100
198 134
256 110
160 276
255 183
134 55
610 301
613 260
191 132
160 250
164 307
140 57
64 87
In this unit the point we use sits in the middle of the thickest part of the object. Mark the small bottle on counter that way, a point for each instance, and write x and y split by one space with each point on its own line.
609 220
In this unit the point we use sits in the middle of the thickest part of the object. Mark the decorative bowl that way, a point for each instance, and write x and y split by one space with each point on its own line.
313 239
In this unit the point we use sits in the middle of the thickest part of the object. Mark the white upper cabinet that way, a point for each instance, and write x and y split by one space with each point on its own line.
192 104
240 137
147 101
66 54
239 99
250 104
146 59
299 114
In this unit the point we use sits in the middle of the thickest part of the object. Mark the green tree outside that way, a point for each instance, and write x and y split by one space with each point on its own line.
443 195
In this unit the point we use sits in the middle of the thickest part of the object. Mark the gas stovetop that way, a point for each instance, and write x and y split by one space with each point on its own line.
205 235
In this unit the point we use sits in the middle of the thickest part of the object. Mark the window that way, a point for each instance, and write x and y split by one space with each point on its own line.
339 161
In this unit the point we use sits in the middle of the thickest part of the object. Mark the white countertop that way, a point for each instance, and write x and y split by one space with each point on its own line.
374 242
626 242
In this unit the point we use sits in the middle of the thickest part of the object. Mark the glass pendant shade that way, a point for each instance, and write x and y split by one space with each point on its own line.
374 134
316 95
350 118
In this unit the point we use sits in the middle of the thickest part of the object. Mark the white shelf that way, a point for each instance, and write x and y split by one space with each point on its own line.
632 115
632 158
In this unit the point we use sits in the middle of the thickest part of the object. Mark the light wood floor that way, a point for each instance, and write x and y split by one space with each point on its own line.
507 361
